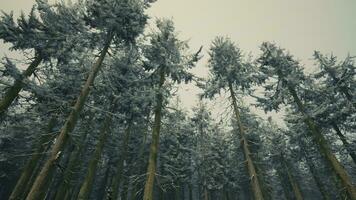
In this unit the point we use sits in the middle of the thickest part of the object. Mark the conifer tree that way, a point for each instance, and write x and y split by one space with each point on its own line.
230 72
339 76
280 66
49 36
165 56
128 20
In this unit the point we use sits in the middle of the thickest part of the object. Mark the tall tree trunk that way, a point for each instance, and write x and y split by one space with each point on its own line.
344 141
13 92
93 163
152 160
58 178
295 186
65 183
120 164
37 170
73 162
68 126
20 188
314 171
142 148
256 188
324 147
72 191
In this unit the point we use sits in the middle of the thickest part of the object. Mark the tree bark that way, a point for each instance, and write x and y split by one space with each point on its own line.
324 147
58 178
152 161
93 163
14 90
20 188
256 188
73 162
120 164
68 126
324 193
344 141
295 186
144 140
73 190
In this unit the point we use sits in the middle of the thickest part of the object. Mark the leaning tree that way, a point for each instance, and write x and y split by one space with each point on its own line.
230 72
283 78
166 56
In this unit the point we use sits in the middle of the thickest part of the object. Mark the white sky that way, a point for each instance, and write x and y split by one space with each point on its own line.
301 26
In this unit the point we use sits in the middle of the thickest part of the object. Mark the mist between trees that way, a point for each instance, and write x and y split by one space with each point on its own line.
93 113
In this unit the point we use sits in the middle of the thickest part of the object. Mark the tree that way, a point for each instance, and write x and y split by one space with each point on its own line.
230 72
60 85
86 187
135 101
175 154
31 164
74 159
128 22
277 65
50 36
339 77
333 81
165 57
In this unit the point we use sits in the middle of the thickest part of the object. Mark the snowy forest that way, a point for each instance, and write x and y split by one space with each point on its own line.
92 111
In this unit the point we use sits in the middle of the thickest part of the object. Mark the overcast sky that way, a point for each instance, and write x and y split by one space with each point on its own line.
301 26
